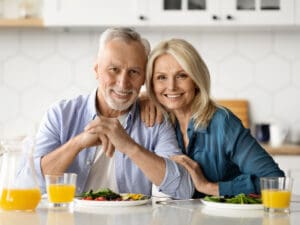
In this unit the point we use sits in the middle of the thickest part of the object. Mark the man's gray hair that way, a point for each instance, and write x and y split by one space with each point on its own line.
123 33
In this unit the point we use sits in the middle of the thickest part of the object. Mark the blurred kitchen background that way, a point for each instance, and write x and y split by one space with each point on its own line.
252 48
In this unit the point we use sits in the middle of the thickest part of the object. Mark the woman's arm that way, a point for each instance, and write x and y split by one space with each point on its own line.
253 161
200 182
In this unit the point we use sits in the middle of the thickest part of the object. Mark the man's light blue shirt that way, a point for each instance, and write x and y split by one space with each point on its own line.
68 118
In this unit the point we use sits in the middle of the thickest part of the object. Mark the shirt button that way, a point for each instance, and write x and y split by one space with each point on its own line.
89 162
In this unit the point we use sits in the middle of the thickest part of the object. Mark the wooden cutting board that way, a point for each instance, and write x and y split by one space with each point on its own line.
239 107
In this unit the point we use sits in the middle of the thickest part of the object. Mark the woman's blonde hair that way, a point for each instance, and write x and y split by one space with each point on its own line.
203 106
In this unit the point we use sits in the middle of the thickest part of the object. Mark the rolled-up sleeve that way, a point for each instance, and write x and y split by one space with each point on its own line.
177 182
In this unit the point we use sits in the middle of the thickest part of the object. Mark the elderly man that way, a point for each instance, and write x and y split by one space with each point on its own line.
101 136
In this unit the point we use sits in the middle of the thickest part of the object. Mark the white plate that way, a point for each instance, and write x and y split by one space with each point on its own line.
233 213
93 203
223 205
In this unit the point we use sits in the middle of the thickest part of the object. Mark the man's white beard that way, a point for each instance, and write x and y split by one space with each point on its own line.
120 105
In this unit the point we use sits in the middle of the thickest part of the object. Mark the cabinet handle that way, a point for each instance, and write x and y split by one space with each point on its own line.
215 17
229 17
141 17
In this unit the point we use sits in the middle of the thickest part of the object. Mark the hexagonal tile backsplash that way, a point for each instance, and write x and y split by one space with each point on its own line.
38 67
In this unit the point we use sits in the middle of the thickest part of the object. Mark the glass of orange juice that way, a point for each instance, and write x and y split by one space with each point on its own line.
276 193
61 189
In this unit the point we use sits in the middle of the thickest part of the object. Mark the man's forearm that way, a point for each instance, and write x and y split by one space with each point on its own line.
153 166
60 159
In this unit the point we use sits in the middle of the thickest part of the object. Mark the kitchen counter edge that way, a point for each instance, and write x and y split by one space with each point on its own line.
285 149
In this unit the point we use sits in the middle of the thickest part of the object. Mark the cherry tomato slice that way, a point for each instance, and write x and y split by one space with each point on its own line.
100 199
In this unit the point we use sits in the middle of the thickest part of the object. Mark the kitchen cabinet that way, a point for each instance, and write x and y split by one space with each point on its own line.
290 164
94 12
221 12
167 12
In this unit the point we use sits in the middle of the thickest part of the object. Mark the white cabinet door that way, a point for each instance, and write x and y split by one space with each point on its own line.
291 166
258 12
182 12
93 12
221 12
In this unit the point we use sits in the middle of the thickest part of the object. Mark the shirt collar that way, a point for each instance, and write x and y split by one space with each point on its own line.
91 105
191 127
200 129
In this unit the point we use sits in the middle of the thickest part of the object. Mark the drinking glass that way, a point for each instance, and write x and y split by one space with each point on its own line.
61 189
276 193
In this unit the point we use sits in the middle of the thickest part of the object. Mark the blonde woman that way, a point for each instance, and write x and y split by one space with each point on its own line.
220 154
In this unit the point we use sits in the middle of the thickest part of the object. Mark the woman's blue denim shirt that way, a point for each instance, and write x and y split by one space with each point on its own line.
228 154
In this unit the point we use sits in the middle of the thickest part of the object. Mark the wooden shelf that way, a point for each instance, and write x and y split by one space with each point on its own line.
286 149
30 22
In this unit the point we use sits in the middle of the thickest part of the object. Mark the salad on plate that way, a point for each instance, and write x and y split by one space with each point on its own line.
107 197
240 201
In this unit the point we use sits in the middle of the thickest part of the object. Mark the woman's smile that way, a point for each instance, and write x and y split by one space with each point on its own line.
173 87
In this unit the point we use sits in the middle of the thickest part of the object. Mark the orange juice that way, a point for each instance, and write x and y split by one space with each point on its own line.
61 193
274 198
20 199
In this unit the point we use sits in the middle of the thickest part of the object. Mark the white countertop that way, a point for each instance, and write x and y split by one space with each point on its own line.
173 213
